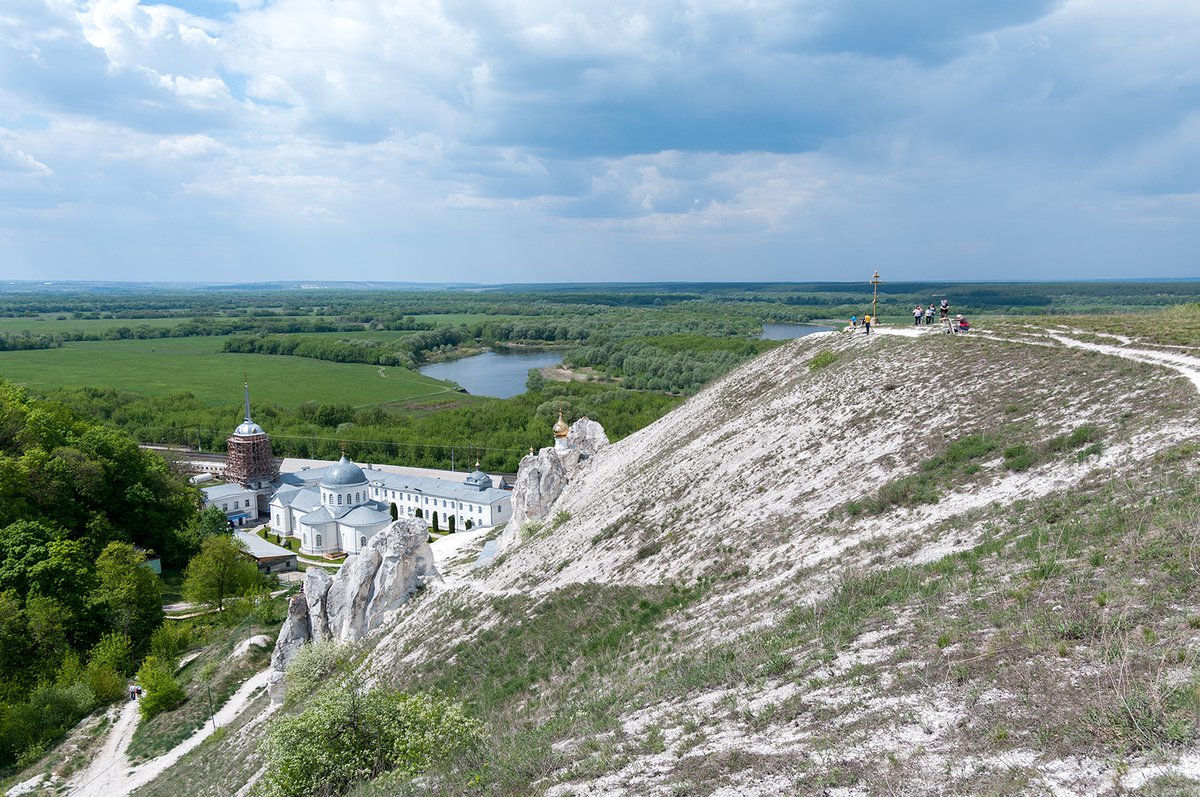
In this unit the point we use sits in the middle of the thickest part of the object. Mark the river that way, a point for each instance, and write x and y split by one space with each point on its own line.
494 373
502 374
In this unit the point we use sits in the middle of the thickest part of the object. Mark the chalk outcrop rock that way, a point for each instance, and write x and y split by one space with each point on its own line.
586 436
542 477
295 634
369 588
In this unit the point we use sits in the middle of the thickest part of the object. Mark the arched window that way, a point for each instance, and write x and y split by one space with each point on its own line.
318 540
356 498
339 499
362 542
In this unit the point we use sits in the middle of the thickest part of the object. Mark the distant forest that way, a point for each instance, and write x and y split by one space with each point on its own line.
641 347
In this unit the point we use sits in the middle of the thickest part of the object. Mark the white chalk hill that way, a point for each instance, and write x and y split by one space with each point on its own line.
808 508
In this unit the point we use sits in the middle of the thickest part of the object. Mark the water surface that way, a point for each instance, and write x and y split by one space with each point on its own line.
494 373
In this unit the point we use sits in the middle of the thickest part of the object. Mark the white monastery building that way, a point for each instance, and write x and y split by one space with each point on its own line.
337 508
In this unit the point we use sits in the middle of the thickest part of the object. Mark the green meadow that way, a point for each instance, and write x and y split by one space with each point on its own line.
197 365
52 324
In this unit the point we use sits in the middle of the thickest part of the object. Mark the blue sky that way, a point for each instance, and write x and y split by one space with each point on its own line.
529 140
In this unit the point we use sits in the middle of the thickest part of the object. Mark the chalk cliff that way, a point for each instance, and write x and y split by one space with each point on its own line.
370 586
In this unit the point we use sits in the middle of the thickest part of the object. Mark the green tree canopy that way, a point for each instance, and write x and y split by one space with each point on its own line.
130 594
220 571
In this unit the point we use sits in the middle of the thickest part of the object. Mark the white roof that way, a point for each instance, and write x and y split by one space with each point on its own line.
219 491
260 548
447 484
292 465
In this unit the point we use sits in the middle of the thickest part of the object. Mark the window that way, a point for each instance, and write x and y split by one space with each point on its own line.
356 498
339 499
362 542
318 540
224 507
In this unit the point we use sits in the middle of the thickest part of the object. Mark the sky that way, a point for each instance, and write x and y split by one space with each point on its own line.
541 140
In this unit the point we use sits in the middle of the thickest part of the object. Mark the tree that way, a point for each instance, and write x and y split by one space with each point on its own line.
420 514
394 511
450 524
209 523
220 571
469 524
163 692
130 592
435 521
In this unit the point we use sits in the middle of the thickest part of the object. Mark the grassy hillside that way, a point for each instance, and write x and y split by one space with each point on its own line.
885 565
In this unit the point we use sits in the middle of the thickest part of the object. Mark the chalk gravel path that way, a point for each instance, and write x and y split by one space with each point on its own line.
1185 364
112 775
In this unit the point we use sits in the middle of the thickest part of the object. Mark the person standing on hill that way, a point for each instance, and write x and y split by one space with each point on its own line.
929 314
854 321
945 309
917 313
867 323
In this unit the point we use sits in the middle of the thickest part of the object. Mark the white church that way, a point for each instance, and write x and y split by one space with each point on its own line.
336 509
339 508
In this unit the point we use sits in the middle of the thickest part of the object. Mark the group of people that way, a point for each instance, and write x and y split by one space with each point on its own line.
135 692
956 324
921 315
865 321
926 313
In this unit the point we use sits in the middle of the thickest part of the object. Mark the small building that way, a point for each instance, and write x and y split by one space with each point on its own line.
239 504
269 557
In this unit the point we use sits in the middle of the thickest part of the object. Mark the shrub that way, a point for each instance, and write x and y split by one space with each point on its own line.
963 450
821 360
314 663
114 651
106 683
170 640
345 737
162 691
1074 439
1019 457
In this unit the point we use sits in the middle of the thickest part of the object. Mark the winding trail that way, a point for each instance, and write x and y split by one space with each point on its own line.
1185 364
111 774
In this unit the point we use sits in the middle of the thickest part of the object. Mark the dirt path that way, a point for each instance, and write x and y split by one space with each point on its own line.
1185 364
111 775
113 751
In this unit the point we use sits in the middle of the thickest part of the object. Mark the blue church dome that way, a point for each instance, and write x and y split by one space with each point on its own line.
344 474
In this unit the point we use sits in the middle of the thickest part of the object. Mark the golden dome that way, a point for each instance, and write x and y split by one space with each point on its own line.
560 426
